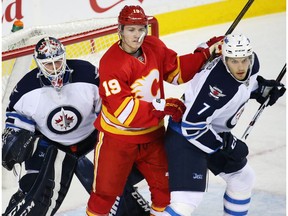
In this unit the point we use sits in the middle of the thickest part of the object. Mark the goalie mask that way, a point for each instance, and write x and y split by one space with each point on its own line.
237 46
51 59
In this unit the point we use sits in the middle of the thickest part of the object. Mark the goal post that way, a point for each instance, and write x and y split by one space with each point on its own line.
85 39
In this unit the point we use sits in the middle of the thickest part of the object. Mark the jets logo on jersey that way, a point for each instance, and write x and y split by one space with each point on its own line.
64 119
215 92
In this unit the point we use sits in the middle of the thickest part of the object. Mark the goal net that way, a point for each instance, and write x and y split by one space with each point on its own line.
86 39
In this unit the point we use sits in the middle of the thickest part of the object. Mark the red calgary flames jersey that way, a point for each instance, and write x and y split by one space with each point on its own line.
129 84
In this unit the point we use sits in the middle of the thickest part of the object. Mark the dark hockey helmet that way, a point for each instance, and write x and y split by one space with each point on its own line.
132 15
50 57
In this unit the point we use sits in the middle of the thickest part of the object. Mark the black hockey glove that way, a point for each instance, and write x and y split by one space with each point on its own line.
268 88
17 146
233 147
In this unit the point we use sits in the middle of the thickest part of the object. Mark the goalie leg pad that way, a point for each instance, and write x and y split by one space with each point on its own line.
50 187
130 203
85 172
14 200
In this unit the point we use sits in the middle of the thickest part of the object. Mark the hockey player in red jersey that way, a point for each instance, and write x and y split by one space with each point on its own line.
131 126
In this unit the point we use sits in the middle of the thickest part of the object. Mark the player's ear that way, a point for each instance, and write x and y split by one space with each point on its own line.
120 31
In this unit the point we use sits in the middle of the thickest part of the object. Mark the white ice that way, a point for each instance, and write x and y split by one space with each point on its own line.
267 140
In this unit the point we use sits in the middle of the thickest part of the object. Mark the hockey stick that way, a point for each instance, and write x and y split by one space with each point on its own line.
235 23
262 107
239 17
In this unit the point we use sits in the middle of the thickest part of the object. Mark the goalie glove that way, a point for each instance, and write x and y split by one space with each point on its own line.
171 106
18 145
268 88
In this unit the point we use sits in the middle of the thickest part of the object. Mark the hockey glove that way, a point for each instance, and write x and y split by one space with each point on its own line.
268 88
17 146
233 147
171 106
214 45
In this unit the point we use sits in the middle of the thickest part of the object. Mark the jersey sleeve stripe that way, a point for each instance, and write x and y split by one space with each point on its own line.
133 113
122 106
175 74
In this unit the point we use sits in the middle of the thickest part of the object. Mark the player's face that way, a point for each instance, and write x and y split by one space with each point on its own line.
54 67
238 67
132 37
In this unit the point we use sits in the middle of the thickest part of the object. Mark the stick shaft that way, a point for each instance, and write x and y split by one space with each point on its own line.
262 107
235 23
239 17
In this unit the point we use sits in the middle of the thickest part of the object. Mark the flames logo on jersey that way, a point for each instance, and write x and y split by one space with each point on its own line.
216 92
147 88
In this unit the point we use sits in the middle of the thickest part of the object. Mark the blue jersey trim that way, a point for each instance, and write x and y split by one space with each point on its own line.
22 118
169 210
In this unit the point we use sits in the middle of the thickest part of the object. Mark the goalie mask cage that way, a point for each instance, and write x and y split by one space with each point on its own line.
85 39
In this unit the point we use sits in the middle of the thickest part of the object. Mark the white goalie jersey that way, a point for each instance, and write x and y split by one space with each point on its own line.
64 116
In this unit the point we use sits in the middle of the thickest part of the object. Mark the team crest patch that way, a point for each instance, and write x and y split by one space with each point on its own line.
64 119
216 92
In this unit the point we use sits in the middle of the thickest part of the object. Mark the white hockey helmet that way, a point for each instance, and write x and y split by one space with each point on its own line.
48 51
236 45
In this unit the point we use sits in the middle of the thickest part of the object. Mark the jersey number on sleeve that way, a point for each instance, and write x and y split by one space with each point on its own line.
111 87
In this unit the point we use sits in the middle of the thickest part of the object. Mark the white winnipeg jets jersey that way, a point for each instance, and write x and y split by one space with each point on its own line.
215 101
64 116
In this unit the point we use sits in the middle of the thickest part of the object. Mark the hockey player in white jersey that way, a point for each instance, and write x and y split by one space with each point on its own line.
215 99
49 125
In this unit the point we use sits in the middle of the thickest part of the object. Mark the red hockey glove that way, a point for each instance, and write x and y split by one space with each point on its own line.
171 106
214 40
214 45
